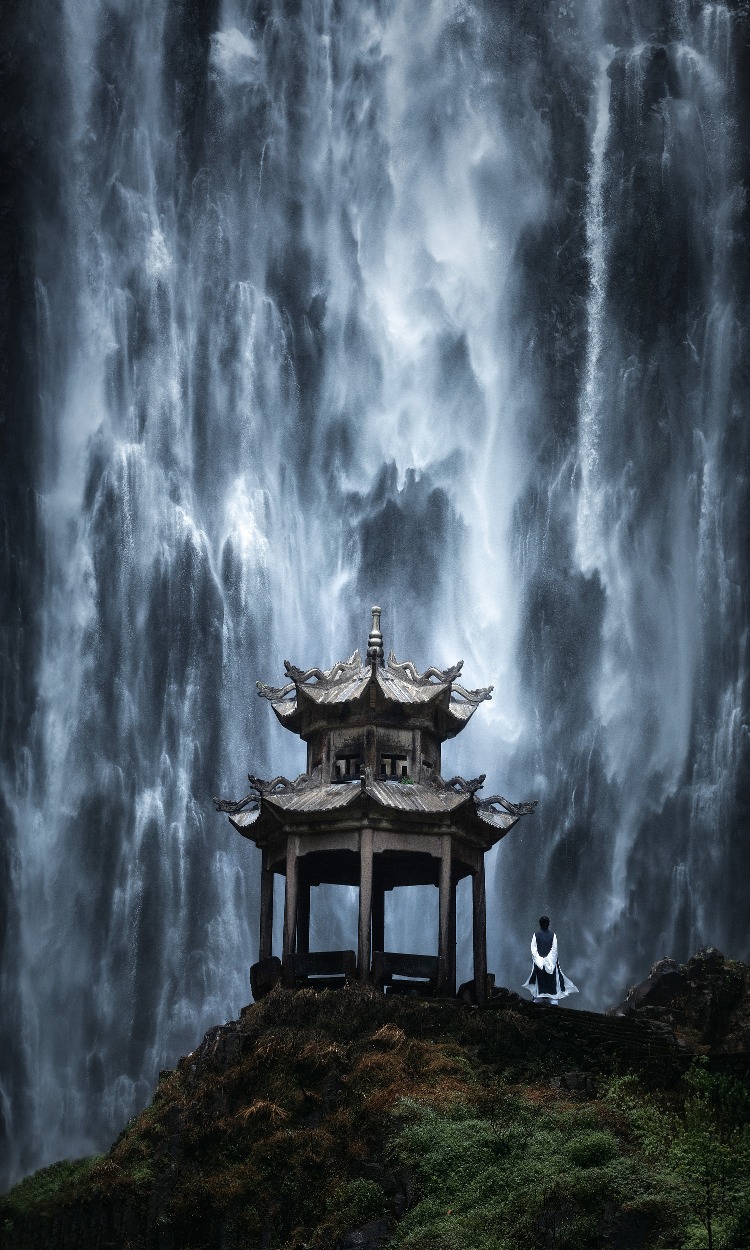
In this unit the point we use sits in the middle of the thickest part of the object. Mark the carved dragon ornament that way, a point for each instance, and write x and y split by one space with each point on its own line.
259 788
342 670
438 676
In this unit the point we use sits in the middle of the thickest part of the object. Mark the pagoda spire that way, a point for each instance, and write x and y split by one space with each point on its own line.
375 653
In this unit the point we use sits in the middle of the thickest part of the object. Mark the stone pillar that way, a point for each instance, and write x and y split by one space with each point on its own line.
479 908
365 904
378 916
444 927
303 910
290 909
450 982
265 949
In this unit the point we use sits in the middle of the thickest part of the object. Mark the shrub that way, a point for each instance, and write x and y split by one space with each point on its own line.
356 1202
592 1149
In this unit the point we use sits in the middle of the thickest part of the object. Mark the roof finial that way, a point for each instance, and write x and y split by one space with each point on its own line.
375 641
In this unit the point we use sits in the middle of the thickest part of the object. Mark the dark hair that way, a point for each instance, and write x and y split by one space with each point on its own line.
544 922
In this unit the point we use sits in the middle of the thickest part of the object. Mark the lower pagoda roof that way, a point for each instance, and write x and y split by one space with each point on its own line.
438 805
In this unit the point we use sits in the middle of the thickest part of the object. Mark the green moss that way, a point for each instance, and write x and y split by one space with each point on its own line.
61 1179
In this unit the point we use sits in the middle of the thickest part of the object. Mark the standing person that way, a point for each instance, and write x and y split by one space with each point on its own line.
547 983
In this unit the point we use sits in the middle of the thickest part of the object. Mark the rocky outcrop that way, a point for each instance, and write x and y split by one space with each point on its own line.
281 1128
705 1002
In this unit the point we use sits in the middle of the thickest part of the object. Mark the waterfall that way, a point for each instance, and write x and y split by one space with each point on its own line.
430 303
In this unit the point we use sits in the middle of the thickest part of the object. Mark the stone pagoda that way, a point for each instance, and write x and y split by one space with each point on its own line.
372 810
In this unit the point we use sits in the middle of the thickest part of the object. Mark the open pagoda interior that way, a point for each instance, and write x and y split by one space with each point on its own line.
372 810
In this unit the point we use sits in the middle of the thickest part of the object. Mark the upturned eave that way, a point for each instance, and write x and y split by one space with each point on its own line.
430 809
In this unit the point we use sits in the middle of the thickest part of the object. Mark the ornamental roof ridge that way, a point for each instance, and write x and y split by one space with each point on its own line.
341 671
494 801
407 670
459 785
346 670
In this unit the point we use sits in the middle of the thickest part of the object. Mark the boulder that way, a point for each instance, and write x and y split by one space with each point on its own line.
705 1001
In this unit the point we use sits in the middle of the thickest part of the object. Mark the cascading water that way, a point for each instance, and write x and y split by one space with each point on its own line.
432 304
649 801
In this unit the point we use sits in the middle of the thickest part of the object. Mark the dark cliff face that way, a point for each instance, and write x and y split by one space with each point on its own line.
29 178
442 310
350 1119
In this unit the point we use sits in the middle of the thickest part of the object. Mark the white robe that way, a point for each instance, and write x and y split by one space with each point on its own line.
548 963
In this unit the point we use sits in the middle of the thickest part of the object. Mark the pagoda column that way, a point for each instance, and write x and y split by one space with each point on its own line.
479 908
444 928
290 909
303 909
364 949
378 916
450 985
265 948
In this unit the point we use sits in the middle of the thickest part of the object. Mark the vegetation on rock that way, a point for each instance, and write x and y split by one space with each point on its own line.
346 1119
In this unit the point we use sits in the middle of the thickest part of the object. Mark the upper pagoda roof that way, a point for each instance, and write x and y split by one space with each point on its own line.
314 695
